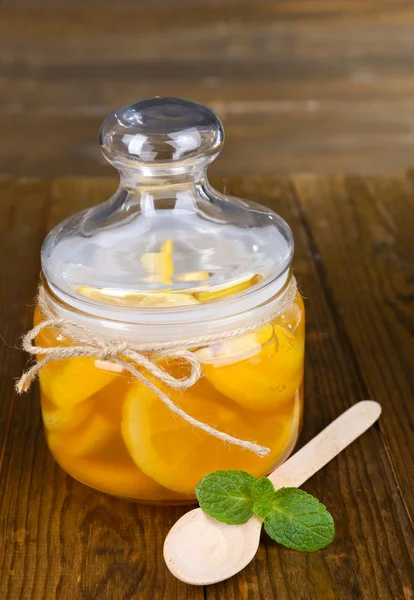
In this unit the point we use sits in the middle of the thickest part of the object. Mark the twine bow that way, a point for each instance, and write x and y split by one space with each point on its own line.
129 356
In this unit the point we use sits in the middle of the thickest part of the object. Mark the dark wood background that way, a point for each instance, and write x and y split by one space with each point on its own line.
301 85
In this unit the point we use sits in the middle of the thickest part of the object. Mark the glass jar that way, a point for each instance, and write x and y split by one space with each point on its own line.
174 329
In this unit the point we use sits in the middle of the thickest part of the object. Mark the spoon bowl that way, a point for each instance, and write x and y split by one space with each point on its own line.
200 550
195 536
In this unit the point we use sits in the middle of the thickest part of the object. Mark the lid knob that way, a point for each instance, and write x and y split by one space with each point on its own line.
159 131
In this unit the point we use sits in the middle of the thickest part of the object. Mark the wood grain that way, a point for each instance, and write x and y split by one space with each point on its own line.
354 261
373 526
378 218
23 208
315 85
58 538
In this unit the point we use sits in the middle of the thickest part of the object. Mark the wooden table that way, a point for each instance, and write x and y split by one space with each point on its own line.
354 261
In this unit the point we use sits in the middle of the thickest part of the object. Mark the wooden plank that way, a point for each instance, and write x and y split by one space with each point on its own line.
370 557
300 86
110 45
170 41
60 539
273 95
78 13
23 208
363 231
265 141
283 7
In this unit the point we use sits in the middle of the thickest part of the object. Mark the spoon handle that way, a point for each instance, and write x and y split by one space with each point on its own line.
326 445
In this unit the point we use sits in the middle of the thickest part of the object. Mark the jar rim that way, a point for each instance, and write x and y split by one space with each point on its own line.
166 324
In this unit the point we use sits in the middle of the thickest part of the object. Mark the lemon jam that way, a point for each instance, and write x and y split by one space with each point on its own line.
194 278
115 434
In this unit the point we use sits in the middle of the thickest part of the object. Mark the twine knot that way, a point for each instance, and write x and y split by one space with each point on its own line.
110 351
130 356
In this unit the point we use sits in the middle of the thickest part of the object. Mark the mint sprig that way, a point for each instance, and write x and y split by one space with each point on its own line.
227 496
262 488
291 516
296 519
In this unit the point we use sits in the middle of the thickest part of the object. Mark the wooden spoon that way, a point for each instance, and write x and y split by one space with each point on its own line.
200 550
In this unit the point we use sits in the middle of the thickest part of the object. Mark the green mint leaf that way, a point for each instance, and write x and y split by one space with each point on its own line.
296 519
262 487
263 506
227 496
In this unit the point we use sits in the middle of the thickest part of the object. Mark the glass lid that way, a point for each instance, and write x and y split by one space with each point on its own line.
166 238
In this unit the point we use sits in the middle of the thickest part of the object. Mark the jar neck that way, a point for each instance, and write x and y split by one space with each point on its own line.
159 177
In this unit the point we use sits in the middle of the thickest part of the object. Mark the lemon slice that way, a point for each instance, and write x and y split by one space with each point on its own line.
137 299
159 265
176 454
192 276
93 436
239 348
126 480
228 289
165 299
103 427
116 478
261 377
110 295
71 381
160 269
58 419
116 474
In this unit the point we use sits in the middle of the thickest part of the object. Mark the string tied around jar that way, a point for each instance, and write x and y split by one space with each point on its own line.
129 356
